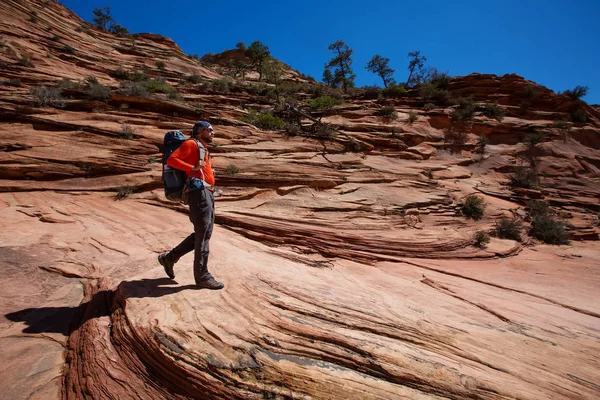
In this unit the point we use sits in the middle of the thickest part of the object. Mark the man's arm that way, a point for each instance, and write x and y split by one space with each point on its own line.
176 160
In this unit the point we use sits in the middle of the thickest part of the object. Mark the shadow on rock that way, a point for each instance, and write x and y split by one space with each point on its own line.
65 320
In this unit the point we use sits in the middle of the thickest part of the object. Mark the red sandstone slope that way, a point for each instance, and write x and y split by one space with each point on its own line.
348 274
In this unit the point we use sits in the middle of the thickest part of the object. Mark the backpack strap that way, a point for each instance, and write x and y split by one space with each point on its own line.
201 153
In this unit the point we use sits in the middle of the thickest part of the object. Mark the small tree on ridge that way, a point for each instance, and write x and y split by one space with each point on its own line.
338 71
380 67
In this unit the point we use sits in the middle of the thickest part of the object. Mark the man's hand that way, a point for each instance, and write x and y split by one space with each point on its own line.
198 167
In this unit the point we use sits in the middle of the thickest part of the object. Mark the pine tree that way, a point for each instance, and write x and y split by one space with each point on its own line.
258 53
338 71
417 63
380 67
103 18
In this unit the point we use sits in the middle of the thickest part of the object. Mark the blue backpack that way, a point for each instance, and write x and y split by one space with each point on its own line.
174 179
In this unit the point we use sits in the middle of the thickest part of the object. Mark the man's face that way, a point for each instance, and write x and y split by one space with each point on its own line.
208 134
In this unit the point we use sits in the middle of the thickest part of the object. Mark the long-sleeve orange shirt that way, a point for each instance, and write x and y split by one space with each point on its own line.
187 156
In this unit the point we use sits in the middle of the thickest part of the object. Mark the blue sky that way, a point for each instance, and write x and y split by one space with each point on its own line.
555 43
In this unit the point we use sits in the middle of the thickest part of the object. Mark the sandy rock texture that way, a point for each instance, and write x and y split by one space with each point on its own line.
349 270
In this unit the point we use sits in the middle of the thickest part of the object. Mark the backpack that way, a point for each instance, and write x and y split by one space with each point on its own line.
174 180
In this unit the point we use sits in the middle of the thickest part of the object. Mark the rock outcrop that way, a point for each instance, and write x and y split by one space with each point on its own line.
348 271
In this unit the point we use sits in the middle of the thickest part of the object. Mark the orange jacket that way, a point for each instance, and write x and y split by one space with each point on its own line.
186 157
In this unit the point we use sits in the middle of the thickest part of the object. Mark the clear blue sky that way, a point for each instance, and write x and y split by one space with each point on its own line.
555 43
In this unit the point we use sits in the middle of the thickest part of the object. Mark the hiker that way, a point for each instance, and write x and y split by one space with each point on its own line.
200 187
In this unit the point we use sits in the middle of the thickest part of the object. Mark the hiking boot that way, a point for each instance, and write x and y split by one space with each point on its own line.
210 283
167 264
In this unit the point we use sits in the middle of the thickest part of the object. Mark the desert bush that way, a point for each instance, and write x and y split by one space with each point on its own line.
473 207
481 144
222 85
121 74
324 131
25 61
577 92
481 239
124 191
455 136
429 106
387 113
412 116
530 91
548 230
371 92
508 228
127 132
135 89
68 49
578 115
158 86
293 129
44 96
265 120
139 77
174 94
465 110
537 207
316 90
493 110
55 38
100 92
231 169
524 177
33 18
431 93
160 65
323 103
394 91
194 78
524 107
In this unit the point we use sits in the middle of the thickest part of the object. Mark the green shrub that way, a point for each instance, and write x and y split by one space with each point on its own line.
429 107
160 65
473 207
135 89
68 49
537 207
394 91
412 116
232 169
455 136
222 85
25 61
324 131
194 78
371 92
265 120
494 111
548 230
174 94
127 132
100 92
316 90
481 239
431 93
577 92
465 110
44 96
124 191
121 74
387 113
158 86
578 115
524 177
65 83
139 77
530 91
481 143
293 129
509 228
324 103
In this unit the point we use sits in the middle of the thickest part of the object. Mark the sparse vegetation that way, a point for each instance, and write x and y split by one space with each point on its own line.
431 93
543 226
127 132
258 53
324 103
160 65
524 177
135 89
473 207
387 113
44 96
158 86
380 66
231 169
68 49
124 191
509 228
465 110
578 115
25 61
121 74
480 145
265 120
195 79
33 17
481 239
577 92
119 30
429 107
97 91
412 116
564 127
371 92
493 110
394 90
455 136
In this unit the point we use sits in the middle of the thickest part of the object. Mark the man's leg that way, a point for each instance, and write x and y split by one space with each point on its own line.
202 214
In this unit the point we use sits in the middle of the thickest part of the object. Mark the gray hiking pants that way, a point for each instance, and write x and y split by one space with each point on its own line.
202 215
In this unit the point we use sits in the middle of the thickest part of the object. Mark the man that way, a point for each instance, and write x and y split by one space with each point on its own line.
201 182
